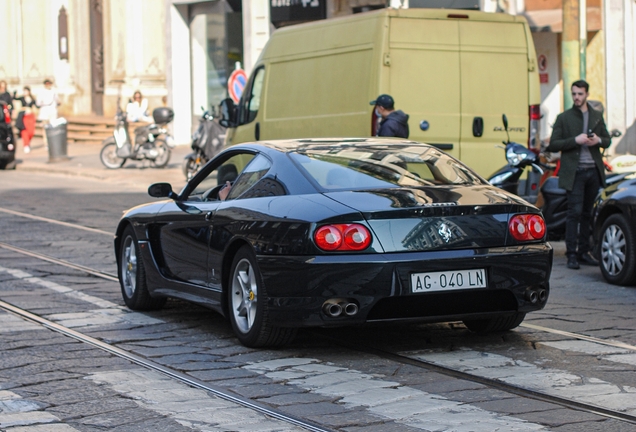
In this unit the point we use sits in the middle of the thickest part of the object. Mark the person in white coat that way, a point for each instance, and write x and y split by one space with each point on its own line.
48 101
137 109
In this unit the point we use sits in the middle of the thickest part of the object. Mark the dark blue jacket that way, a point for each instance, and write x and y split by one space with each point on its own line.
395 125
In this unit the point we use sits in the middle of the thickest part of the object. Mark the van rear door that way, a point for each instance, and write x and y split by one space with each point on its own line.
424 78
494 81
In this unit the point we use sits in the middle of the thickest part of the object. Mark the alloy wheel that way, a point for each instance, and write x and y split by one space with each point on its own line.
129 267
613 248
244 295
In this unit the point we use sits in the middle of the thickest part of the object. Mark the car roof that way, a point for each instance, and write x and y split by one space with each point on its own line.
291 145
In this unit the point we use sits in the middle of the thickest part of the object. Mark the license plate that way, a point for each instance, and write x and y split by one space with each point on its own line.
448 280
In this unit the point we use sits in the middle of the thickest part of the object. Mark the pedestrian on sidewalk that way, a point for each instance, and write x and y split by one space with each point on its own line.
48 101
137 109
26 118
394 123
5 96
579 133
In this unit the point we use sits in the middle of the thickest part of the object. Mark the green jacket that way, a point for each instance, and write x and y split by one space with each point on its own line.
568 125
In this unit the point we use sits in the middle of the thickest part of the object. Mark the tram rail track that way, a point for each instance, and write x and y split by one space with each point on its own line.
392 356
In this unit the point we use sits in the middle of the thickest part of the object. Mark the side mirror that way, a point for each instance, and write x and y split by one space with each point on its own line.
228 113
615 133
161 190
504 119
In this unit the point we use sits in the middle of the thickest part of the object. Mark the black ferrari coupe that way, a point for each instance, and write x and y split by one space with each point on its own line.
332 232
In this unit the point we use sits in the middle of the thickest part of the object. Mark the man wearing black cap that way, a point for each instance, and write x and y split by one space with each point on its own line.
394 122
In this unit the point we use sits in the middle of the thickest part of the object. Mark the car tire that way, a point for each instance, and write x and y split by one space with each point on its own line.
132 275
164 154
190 166
618 251
498 324
247 305
108 155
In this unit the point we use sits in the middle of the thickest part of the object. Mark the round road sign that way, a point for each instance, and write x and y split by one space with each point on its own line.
236 84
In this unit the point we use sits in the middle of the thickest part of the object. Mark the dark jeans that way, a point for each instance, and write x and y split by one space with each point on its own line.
580 204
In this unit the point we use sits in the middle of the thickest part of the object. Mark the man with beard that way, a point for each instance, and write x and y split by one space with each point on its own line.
579 133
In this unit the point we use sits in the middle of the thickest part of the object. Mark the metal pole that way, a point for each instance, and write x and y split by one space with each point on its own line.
583 37
570 51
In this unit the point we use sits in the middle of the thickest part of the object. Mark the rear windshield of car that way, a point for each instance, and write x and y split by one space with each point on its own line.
338 168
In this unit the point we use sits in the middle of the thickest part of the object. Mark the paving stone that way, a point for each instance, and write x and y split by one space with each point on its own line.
26 379
26 418
92 407
481 395
314 410
83 393
605 425
295 398
561 416
384 427
121 419
267 390
448 385
153 424
355 417
516 405
165 351
222 374
58 427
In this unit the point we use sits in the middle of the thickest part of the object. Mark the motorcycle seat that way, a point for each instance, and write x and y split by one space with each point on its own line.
551 186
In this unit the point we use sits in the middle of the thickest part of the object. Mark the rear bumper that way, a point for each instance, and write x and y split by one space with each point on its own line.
379 285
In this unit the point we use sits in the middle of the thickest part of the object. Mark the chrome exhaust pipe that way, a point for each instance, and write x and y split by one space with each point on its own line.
543 295
351 309
532 296
332 308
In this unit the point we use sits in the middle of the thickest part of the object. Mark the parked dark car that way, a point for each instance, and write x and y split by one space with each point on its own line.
336 232
7 139
615 231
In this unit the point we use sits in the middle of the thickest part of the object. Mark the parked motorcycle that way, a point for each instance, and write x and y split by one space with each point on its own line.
150 143
519 158
207 142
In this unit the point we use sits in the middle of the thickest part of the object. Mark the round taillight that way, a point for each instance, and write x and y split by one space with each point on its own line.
328 237
342 237
357 237
517 227
527 227
536 226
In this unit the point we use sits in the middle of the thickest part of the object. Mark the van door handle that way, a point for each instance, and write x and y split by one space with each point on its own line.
478 127
257 131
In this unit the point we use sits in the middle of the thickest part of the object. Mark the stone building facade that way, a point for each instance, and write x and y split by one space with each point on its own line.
181 52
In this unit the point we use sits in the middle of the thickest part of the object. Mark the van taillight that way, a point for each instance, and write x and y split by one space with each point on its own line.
534 122
7 115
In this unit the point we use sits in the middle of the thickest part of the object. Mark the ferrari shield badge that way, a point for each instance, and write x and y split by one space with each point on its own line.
445 232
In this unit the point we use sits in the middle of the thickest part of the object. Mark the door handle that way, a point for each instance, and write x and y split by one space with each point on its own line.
208 216
478 127
257 131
